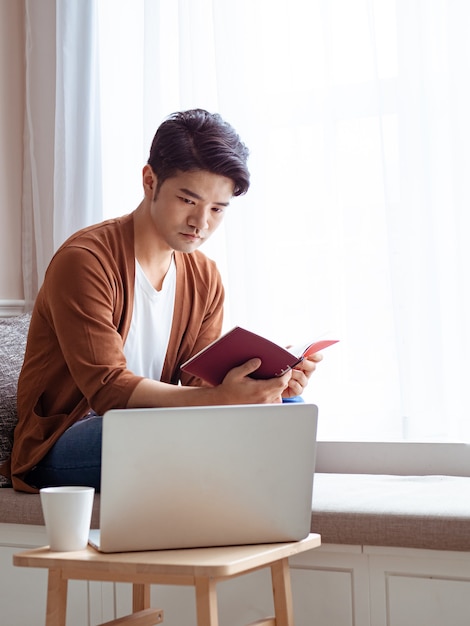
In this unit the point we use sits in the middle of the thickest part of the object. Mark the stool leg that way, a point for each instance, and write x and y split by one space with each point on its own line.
206 601
56 610
282 592
140 597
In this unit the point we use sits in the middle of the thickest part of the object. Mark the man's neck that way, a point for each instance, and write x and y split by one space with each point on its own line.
154 261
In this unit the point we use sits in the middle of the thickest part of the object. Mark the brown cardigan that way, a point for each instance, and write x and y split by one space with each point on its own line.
74 358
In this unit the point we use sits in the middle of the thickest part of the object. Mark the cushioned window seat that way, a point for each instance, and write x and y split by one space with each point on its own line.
429 512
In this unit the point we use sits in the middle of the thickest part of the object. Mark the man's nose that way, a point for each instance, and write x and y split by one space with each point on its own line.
199 218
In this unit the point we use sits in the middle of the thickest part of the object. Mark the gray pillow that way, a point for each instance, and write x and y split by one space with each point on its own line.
13 333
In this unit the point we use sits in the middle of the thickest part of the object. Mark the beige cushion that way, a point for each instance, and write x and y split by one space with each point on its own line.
431 512
408 511
25 508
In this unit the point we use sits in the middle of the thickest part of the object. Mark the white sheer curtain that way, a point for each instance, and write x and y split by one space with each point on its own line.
62 160
357 116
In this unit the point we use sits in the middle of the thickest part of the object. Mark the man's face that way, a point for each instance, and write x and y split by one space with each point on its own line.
188 207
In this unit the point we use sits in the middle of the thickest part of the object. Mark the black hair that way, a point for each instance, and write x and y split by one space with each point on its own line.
197 140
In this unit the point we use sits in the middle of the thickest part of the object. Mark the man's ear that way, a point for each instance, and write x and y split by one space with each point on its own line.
149 180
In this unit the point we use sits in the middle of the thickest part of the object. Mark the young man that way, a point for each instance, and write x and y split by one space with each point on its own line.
124 303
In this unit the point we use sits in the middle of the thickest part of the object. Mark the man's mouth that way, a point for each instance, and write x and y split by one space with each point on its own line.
192 236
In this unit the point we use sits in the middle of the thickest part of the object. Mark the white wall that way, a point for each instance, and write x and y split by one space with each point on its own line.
11 138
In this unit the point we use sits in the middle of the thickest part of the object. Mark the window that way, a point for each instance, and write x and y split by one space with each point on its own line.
356 224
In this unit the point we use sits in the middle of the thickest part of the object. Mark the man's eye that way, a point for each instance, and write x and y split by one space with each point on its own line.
186 200
217 209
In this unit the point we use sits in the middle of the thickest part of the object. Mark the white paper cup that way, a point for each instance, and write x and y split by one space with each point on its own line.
67 514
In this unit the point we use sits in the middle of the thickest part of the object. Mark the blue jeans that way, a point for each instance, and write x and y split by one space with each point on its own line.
75 459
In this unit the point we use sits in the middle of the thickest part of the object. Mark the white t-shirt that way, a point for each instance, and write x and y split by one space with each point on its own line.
149 333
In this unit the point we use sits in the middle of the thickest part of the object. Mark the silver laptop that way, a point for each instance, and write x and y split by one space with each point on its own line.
206 476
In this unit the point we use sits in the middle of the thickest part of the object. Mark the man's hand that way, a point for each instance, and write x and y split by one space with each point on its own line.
301 374
239 388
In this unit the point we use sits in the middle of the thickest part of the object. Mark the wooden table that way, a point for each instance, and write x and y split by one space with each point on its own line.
200 567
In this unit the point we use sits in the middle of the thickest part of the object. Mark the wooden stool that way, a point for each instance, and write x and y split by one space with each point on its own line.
200 567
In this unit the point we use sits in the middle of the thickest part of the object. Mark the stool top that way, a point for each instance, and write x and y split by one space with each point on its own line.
214 562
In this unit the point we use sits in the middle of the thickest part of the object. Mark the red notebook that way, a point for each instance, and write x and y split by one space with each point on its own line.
240 345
